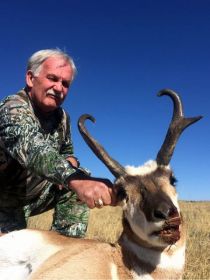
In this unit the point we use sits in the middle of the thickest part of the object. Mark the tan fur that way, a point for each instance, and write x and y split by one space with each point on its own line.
88 259
80 259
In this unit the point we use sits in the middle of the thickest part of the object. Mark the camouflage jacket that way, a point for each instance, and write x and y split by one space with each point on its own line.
33 149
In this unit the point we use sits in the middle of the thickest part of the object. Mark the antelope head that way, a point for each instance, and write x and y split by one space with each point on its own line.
151 210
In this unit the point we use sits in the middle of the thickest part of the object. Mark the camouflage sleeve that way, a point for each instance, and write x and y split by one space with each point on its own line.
24 141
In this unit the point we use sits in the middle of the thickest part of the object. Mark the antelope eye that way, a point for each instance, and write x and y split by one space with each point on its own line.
173 180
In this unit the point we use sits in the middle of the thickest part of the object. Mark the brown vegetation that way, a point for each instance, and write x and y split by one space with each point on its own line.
105 224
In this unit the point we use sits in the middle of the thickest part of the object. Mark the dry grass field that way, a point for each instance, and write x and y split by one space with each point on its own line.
105 225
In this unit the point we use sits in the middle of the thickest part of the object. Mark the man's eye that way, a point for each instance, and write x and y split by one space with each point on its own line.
52 78
65 84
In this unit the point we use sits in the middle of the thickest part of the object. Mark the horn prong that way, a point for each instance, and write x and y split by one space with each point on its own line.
176 127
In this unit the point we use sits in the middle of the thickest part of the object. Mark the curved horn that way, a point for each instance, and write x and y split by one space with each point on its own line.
115 168
176 127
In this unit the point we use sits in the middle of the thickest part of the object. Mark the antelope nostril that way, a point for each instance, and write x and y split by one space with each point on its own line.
165 211
162 211
160 214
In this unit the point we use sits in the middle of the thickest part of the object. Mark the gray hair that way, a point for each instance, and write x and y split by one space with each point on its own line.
36 60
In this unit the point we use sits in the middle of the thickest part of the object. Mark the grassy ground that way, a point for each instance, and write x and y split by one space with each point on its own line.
105 224
197 218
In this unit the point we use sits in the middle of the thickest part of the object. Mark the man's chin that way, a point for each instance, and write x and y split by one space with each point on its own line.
49 108
51 105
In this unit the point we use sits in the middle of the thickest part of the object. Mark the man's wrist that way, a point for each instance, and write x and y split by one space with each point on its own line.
78 174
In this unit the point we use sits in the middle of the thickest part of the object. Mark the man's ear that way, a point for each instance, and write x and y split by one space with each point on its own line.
29 79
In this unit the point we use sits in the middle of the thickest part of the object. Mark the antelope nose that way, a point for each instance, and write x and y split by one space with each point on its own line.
164 211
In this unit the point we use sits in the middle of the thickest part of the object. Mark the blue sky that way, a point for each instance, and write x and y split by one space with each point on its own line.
125 52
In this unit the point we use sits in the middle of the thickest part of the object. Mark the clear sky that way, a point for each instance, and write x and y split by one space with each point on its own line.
125 52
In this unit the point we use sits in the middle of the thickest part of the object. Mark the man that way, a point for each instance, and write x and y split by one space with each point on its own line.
38 170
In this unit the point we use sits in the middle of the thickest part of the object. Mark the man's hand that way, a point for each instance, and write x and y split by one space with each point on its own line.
92 191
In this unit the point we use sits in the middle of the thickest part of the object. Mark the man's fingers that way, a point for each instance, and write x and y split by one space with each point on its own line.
94 192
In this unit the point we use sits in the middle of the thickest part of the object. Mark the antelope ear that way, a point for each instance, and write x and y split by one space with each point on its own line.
121 195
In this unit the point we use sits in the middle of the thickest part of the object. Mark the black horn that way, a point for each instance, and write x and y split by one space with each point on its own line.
176 127
115 168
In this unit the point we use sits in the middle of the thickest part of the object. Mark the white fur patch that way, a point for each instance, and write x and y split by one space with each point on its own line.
149 167
141 275
114 273
175 261
21 252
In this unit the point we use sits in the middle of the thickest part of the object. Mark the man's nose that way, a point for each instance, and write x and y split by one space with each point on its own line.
58 86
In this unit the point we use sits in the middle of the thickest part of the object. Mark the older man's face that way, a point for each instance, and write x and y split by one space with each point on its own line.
49 88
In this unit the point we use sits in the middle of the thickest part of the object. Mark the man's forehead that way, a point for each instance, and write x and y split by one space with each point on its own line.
56 62
57 66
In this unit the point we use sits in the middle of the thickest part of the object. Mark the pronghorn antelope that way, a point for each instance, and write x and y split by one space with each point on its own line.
152 244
